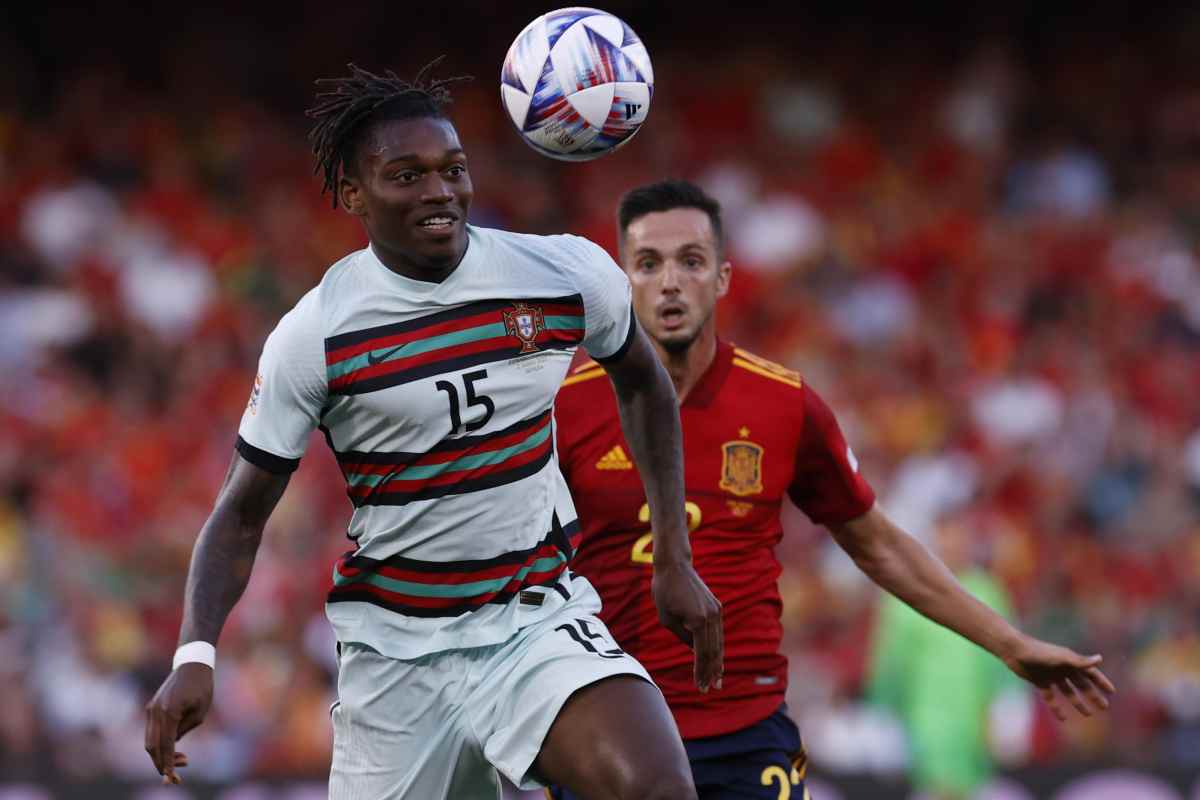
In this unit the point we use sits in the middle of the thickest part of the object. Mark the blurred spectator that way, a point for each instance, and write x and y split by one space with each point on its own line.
941 686
983 252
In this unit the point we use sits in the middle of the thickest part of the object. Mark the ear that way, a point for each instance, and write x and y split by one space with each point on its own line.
724 274
351 196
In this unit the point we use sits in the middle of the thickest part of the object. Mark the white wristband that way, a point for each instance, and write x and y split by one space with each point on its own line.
198 652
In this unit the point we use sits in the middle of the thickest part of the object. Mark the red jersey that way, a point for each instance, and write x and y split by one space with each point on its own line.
753 433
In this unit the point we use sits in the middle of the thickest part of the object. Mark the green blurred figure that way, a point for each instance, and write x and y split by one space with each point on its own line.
940 685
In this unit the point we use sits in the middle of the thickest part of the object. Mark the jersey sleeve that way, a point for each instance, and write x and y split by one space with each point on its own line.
607 300
289 391
827 485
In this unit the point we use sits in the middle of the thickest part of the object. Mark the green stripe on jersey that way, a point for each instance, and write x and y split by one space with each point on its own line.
416 348
471 589
426 471
560 323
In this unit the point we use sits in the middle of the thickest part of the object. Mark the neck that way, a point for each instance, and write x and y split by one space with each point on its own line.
687 366
428 270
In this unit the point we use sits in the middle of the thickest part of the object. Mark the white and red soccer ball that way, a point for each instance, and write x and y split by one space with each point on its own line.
577 83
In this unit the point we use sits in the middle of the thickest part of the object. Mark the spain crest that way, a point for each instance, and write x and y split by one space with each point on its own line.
741 467
525 322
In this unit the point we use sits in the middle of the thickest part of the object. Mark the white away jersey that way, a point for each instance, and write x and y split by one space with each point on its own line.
437 399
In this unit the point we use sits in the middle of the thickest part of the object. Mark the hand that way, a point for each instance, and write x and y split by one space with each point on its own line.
179 705
689 610
1061 674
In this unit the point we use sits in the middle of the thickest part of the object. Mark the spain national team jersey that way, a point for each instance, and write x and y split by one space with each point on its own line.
436 399
753 433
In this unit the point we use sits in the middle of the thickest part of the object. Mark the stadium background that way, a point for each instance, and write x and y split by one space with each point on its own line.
975 232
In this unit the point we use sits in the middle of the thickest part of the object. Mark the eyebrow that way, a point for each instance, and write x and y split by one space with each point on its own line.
683 248
457 151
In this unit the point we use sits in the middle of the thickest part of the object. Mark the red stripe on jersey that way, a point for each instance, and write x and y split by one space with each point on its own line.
547 550
397 365
561 310
419 601
427 332
446 456
398 483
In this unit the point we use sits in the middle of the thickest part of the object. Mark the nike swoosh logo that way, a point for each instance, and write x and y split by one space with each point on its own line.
372 359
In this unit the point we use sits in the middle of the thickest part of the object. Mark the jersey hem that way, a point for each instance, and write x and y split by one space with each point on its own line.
839 519
264 460
698 724
624 348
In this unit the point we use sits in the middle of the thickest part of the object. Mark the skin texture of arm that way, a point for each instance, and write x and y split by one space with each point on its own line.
901 565
650 420
221 563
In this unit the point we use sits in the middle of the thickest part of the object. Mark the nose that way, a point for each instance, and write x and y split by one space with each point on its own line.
436 190
669 278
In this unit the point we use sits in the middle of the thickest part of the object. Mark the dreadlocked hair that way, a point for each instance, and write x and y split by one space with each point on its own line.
345 107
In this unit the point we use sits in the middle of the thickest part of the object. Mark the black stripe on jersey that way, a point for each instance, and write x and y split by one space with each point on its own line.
438 367
469 310
562 536
403 457
490 481
502 598
624 348
264 460
471 565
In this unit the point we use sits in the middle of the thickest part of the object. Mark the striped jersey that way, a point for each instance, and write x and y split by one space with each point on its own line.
437 400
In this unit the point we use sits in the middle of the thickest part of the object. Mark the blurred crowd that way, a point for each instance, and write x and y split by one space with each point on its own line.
986 262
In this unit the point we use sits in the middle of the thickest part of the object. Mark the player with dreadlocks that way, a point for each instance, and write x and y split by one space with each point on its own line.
430 360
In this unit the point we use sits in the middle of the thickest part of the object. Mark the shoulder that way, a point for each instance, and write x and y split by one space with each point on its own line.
303 320
772 376
586 372
340 284
344 276
585 404
574 250
535 243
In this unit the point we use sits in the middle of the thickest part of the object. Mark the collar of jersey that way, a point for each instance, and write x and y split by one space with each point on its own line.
426 288
705 390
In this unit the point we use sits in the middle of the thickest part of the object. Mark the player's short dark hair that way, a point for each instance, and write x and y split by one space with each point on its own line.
666 196
346 108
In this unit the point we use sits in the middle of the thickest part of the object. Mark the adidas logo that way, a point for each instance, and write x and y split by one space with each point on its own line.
614 459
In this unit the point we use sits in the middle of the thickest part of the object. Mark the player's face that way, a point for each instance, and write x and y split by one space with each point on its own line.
412 190
677 274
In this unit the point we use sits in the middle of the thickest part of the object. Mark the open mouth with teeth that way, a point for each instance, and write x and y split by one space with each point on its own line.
438 223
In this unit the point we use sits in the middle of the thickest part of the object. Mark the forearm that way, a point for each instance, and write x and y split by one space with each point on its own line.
901 565
224 553
650 421
220 570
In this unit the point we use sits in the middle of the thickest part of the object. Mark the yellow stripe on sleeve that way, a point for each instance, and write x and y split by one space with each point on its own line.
584 376
790 378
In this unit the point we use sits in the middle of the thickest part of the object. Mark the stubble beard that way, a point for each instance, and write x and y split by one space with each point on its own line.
677 347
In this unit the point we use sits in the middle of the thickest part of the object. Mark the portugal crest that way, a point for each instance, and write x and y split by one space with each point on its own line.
525 322
741 467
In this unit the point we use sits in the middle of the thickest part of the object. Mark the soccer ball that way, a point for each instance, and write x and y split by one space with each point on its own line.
577 83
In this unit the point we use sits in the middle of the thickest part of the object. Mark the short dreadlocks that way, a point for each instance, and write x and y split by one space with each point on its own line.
347 107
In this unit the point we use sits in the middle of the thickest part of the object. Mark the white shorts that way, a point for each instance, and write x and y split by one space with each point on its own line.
448 724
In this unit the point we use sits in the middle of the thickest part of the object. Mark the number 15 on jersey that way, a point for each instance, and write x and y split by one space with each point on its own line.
473 399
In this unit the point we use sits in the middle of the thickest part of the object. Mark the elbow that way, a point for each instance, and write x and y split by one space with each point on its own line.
871 562
870 554
855 541
872 542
